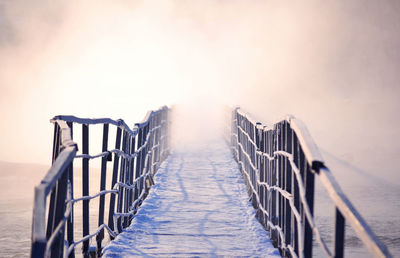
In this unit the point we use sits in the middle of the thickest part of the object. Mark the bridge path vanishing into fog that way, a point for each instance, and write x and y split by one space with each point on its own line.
198 206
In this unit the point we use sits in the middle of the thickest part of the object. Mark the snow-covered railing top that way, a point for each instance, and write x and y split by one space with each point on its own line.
143 149
279 164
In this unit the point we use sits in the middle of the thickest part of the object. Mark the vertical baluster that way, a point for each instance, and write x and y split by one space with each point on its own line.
253 163
61 191
160 148
114 180
154 143
161 137
121 179
239 140
103 177
138 161
153 151
70 222
126 180
158 142
144 157
264 172
302 175
234 131
56 149
274 202
280 184
249 160
338 243
85 187
260 162
167 133
131 176
283 181
288 186
56 142
293 185
296 194
309 185
156 138
268 178
151 144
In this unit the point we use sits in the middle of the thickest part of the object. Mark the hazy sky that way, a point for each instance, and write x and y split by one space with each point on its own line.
333 64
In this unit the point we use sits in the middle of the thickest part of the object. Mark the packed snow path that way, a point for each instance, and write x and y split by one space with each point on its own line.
198 207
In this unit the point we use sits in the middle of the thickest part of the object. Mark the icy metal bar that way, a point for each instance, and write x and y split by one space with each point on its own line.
100 236
114 180
85 187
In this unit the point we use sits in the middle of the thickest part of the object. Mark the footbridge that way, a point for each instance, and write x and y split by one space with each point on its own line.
250 193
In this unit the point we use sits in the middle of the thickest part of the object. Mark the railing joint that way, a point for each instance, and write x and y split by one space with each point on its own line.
316 166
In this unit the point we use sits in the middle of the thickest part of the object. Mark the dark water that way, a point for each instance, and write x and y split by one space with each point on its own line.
17 183
16 198
377 200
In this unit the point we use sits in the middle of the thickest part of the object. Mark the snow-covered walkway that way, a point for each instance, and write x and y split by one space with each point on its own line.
198 207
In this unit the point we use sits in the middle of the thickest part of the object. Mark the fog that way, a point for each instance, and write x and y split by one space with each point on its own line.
332 64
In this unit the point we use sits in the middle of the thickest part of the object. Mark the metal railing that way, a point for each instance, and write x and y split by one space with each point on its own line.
279 164
143 149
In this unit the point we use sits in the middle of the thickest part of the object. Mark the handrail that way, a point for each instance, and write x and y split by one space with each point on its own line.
90 121
279 164
144 148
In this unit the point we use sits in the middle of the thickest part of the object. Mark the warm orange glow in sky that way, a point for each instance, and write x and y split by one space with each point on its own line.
332 64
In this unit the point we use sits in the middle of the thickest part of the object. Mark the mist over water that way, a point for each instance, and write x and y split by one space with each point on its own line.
334 65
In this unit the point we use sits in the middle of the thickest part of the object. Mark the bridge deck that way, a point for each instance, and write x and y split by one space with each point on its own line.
198 206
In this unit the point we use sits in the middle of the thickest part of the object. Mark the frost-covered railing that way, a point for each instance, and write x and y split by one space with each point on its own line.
279 164
143 149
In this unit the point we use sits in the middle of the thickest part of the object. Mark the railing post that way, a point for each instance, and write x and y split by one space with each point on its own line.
56 150
338 243
267 165
167 133
260 166
70 222
56 142
279 180
308 231
38 224
153 150
126 179
138 161
131 174
100 236
296 195
121 179
61 191
274 197
114 181
288 186
85 187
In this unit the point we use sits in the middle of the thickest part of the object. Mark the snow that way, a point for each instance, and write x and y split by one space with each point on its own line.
198 206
